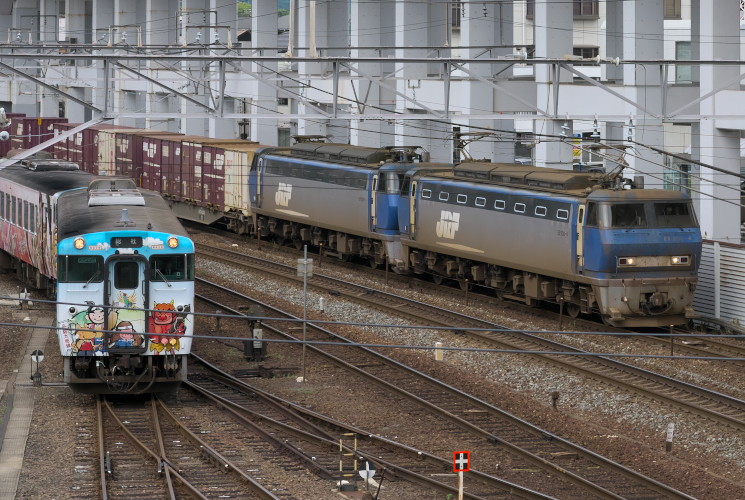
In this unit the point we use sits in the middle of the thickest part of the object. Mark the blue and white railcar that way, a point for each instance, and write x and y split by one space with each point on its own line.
539 234
344 198
124 272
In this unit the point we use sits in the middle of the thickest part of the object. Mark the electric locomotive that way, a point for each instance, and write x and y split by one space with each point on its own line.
537 234
340 197
122 267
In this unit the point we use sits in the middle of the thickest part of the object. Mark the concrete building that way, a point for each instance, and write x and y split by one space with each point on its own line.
398 72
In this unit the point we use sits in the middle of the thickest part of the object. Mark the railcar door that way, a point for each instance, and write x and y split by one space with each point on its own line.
580 238
126 299
412 209
374 203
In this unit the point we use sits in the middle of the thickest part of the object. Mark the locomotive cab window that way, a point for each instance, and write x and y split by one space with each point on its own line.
172 268
592 214
674 214
628 215
80 268
126 275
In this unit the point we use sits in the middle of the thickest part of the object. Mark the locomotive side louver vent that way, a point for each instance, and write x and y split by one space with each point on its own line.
108 192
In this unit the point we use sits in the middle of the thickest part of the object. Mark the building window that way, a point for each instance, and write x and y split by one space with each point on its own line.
683 71
586 9
677 176
672 9
455 10
585 52
583 9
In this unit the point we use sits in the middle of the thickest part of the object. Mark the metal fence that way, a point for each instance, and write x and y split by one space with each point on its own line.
721 286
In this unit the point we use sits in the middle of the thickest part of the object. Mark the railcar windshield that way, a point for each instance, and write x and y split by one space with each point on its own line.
172 267
671 213
80 268
674 214
628 215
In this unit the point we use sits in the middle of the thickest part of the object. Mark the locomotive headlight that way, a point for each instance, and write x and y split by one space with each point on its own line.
626 261
79 243
173 242
680 260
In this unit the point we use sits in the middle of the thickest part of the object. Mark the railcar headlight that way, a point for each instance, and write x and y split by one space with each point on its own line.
173 242
79 243
680 260
626 261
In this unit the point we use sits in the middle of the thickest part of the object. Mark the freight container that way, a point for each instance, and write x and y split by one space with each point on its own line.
27 132
156 150
6 146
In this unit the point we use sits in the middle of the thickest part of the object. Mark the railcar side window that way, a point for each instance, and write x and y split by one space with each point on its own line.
540 211
674 214
520 208
461 199
499 204
8 213
25 215
628 215
14 214
562 214
172 267
426 194
444 196
2 205
80 268
32 219
480 201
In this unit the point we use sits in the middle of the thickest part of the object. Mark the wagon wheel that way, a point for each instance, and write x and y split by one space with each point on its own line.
573 309
438 279
373 263
298 243
464 284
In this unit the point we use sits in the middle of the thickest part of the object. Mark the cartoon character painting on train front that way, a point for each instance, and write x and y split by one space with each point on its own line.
166 325
87 335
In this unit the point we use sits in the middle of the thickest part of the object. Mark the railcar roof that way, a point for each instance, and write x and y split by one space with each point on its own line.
47 182
630 195
74 216
340 152
526 175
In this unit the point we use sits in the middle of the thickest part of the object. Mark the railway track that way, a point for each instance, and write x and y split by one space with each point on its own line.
146 452
317 441
473 420
687 397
